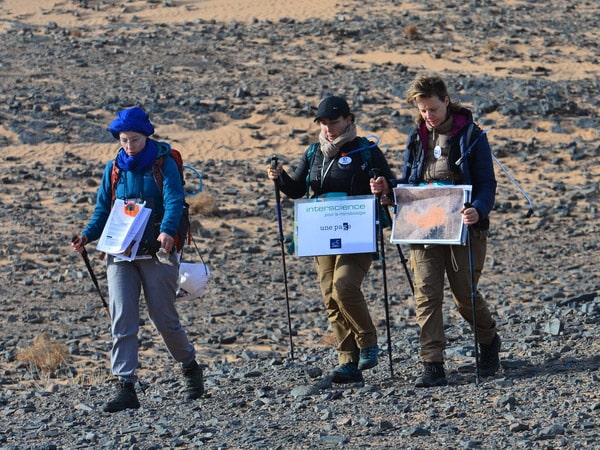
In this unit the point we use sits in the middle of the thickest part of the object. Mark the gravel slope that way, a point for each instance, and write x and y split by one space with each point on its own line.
60 86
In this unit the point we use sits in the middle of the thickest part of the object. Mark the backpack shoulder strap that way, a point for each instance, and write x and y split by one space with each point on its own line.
310 154
470 145
470 132
157 168
114 179
157 172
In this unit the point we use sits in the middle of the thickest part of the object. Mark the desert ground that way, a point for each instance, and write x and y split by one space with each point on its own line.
231 83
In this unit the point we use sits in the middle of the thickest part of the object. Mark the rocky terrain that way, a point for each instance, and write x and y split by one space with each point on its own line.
528 69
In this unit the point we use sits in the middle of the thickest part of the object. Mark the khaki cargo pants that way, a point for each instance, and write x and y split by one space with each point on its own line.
430 264
340 278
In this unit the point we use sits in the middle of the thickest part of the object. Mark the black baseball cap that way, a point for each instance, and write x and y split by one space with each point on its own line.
332 108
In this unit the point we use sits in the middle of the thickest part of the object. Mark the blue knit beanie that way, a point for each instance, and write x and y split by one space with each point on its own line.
131 119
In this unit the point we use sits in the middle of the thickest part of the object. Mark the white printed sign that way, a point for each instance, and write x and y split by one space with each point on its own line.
334 226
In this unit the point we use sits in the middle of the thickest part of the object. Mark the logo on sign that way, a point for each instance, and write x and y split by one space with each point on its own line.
335 243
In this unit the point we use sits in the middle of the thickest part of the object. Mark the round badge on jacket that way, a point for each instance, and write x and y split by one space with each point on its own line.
344 161
131 209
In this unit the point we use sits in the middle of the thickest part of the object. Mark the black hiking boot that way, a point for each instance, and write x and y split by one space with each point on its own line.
194 382
126 398
346 373
489 358
433 375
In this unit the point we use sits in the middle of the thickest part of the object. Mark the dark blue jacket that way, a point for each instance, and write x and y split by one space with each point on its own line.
476 168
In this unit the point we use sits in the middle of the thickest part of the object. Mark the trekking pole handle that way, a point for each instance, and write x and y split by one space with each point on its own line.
468 205
375 173
81 243
273 165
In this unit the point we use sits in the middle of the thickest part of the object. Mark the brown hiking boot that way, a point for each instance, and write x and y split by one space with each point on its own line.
433 375
126 398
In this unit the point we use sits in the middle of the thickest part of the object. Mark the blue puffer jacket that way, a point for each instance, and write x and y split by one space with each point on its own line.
166 208
476 169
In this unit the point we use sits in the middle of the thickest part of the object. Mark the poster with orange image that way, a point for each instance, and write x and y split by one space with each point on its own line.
430 214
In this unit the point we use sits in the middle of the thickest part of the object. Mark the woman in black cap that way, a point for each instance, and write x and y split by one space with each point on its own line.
134 166
338 166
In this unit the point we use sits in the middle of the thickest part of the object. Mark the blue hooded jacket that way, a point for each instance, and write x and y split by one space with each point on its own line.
476 168
166 207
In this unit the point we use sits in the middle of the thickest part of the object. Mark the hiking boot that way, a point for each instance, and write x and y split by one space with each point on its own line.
126 398
346 373
489 360
194 382
368 358
433 375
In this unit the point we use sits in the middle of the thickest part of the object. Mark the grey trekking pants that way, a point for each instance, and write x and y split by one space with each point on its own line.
430 264
159 281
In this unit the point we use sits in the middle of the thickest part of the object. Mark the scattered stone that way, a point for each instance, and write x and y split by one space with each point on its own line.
540 277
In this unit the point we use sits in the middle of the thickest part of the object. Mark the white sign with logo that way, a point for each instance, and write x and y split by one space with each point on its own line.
335 225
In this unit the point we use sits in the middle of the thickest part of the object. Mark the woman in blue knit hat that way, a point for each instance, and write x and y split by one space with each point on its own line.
131 177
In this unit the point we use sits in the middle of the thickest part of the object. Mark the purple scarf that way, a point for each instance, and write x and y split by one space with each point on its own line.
140 162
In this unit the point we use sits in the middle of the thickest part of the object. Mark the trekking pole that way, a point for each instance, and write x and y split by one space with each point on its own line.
517 185
403 259
274 162
378 219
473 294
510 177
86 259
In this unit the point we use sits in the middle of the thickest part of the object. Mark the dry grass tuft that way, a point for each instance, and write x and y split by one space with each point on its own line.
491 46
46 354
412 32
204 204
97 375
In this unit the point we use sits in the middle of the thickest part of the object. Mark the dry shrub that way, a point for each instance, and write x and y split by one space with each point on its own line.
412 32
491 46
203 204
46 354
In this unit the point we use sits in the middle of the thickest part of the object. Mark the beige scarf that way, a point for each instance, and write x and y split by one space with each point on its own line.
331 149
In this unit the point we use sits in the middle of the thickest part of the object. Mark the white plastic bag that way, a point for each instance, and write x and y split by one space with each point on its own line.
193 278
